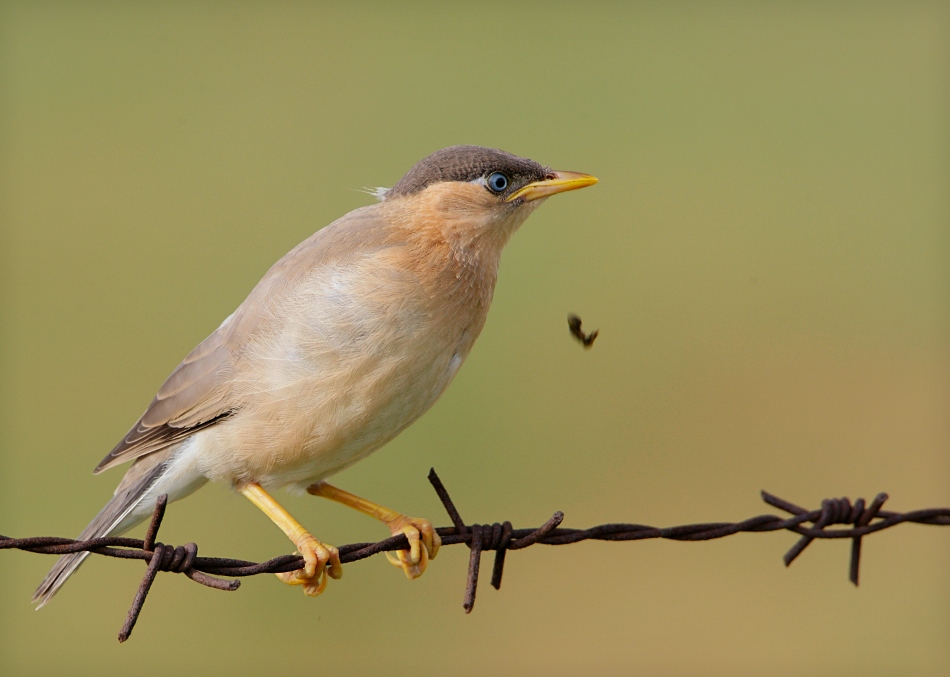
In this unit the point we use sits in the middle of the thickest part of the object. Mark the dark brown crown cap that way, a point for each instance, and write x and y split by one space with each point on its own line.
467 163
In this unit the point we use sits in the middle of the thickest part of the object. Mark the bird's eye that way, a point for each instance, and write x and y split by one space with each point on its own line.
497 182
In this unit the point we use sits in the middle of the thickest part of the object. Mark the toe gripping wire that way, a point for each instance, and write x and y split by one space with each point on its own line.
858 518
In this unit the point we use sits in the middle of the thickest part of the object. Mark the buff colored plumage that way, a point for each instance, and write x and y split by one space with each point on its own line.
346 341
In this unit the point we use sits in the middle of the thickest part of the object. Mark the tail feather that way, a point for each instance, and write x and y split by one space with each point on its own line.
118 516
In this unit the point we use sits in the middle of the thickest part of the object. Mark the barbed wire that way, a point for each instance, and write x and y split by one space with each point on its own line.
486 537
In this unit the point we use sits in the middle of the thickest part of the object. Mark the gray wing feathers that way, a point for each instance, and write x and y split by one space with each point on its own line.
198 393
118 515
195 396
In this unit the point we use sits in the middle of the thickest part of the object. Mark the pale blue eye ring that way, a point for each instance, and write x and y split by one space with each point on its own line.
497 182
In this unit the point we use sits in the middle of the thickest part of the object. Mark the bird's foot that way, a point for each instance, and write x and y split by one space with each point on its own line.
423 540
321 562
424 544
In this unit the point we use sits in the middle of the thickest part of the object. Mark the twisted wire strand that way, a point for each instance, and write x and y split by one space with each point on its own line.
864 519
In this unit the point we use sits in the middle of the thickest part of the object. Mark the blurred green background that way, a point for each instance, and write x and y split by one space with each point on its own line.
767 257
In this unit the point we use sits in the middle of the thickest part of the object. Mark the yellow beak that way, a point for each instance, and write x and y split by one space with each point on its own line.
557 183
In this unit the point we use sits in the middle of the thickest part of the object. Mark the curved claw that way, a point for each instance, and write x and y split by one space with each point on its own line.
424 544
424 541
400 559
321 562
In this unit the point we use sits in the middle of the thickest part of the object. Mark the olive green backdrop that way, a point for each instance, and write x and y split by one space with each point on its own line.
767 257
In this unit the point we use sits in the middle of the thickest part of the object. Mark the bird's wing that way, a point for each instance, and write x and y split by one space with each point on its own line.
195 396
199 393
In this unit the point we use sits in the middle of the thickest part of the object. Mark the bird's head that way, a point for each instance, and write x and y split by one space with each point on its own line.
479 195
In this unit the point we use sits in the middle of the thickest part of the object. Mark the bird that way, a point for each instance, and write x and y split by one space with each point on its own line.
345 341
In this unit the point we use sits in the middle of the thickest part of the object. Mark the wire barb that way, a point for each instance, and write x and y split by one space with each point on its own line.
485 537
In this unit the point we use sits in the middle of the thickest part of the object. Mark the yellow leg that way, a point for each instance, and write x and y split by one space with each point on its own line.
316 555
424 542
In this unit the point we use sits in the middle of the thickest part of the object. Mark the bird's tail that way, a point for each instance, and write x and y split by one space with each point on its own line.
120 514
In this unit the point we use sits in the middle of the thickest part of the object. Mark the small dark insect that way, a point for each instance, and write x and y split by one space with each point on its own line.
574 322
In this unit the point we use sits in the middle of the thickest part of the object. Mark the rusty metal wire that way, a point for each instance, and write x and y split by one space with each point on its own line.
865 518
